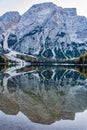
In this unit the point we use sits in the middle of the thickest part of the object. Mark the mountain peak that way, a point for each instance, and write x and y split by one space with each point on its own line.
9 18
70 11
48 32
48 4
10 13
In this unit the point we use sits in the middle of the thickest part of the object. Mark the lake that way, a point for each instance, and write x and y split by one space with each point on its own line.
43 98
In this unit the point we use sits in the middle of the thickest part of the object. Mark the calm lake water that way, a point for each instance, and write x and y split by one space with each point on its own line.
43 98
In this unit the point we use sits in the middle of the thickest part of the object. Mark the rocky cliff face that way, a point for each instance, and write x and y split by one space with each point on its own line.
49 31
8 22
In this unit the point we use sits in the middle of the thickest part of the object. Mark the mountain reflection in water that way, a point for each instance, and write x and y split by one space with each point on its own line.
44 95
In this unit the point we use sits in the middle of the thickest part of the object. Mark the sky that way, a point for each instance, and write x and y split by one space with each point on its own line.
23 5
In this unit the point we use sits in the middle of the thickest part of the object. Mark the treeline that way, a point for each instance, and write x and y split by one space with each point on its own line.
77 61
82 59
3 59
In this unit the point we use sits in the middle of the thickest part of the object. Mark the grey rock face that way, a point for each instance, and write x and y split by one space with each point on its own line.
12 39
70 11
9 19
1 40
8 22
49 31
45 30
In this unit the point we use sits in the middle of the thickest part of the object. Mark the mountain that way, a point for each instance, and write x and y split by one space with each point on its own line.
47 31
8 22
